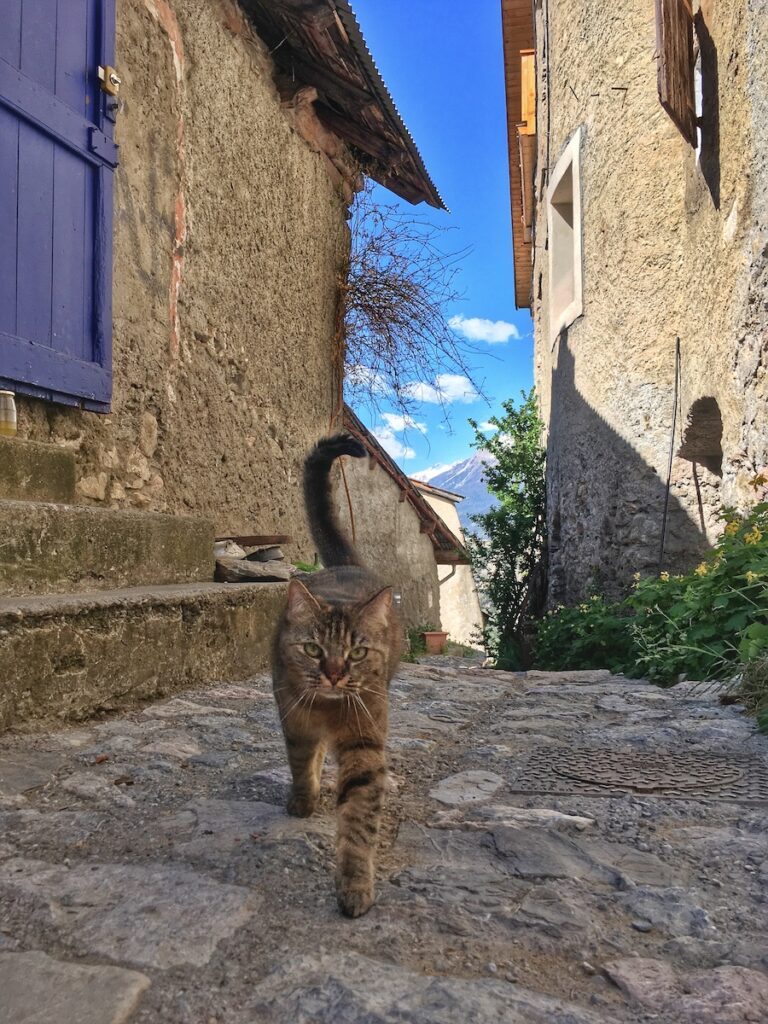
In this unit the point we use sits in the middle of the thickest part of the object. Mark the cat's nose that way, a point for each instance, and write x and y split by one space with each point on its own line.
334 671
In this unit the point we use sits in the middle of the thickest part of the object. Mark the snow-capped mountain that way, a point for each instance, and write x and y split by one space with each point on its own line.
465 477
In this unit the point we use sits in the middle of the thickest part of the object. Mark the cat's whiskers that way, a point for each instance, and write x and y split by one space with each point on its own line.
359 701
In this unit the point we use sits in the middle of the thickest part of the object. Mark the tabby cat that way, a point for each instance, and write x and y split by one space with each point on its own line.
336 648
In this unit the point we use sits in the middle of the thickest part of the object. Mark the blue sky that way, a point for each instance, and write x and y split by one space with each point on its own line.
443 64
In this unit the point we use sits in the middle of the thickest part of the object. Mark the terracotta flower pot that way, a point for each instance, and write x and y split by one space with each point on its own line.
435 642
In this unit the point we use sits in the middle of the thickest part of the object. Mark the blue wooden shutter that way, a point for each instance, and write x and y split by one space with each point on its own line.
57 160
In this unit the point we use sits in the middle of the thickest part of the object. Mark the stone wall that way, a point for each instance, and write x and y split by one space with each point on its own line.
229 236
675 244
389 540
460 610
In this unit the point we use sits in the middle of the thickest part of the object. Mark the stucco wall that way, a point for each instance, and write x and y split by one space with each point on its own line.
459 604
674 245
388 539
229 236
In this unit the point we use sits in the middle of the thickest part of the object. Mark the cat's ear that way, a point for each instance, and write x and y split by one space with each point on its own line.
376 610
301 604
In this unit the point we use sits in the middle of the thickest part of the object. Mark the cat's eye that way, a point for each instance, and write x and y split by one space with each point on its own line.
313 650
358 653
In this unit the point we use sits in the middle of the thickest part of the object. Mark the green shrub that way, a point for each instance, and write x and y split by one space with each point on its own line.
591 635
703 624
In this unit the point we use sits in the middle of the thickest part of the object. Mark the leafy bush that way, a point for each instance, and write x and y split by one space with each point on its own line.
506 553
707 622
593 634
703 624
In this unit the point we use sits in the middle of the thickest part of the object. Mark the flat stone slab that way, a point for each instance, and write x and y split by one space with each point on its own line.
219 826
466 787
20 774
725 995
157 915
353 989
36 989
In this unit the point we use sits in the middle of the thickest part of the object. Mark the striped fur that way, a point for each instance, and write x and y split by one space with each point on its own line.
328 696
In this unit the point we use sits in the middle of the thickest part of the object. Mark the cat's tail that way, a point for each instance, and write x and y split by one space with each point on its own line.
333 547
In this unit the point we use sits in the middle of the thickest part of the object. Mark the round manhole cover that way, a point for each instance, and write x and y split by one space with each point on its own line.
646 773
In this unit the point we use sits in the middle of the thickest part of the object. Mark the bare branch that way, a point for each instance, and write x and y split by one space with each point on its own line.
399 286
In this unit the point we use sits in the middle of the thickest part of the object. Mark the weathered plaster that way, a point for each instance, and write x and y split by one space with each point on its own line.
673 246
460 611
229 237
389 540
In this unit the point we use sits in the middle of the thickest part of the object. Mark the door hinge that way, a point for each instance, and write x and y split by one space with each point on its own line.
103 147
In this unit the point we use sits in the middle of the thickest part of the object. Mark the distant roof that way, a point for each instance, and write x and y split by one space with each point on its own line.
319 43
449 550
440 491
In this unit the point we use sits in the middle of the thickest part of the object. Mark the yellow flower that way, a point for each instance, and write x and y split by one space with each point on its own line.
636 577
754 536
751 576
583 608
664 576
731 528
701 570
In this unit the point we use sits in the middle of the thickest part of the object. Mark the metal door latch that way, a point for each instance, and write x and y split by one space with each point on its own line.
110 80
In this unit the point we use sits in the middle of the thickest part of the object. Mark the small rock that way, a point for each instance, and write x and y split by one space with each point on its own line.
269 554
642 926
240 570
466 787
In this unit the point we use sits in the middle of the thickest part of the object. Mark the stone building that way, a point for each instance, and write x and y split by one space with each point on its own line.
398 533
638 137
460 611
175 178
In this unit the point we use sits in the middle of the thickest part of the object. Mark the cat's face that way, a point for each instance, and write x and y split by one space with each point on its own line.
333 651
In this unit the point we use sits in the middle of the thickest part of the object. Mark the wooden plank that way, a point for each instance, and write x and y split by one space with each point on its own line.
72 257
35 235
44 369
528 93
9 162
675 64
10 37
72 56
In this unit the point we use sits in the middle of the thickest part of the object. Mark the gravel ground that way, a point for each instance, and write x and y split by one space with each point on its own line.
574 848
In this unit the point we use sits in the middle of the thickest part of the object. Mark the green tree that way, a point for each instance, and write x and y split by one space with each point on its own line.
506 551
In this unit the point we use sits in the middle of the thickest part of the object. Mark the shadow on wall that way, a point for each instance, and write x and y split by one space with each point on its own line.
605 503
709 160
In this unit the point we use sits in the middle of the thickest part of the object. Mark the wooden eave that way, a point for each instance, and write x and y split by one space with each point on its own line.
449 550
319 43
517 33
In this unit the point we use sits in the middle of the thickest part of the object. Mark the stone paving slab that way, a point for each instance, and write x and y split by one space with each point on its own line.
36 989
146 857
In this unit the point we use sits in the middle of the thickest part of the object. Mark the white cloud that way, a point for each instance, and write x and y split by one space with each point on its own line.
448 387
386 438
359 376
397 422
488 427
425 475
495 332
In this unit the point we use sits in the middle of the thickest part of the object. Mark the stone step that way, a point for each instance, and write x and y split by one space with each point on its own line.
68 656
51 548
30 471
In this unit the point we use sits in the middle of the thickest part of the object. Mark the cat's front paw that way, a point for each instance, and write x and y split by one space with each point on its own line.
301 805
354 898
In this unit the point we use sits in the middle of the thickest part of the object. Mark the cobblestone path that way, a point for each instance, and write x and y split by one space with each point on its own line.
558 849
